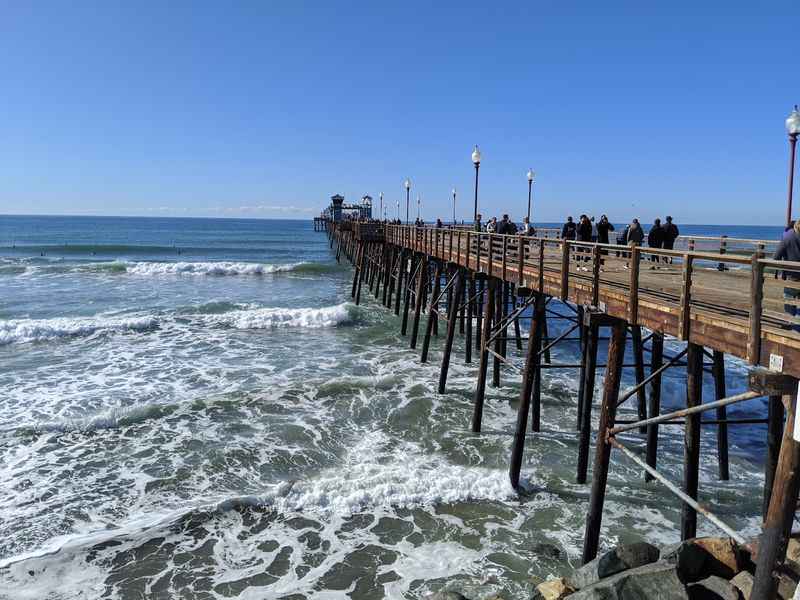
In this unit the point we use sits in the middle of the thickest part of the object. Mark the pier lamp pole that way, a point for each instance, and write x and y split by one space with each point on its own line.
793 129
476 160
419 202
398 210
407 185
454 206
531 175
381 210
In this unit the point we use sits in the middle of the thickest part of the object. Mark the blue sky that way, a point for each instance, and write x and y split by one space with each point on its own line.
266 109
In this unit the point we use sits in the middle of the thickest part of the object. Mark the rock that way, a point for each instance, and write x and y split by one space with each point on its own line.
447 595
793 550
657 580
713 588
724 556
744 583
626 556
701 557
554 589
787 585
547 550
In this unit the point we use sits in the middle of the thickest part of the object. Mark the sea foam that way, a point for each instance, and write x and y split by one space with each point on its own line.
207 268
269 318
20 331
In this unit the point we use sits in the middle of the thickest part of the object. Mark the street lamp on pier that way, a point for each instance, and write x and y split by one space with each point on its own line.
419 205
381 209
476 160
398 210
793 129
531 175
407 185
454 206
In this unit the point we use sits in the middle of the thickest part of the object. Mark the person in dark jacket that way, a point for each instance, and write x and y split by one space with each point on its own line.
569 230
603 227
789 249
671 234
584 229
655 239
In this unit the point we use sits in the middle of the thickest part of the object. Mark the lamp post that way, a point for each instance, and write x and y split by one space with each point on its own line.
476 160
407 185
380 212
793 129
419 203
531 175
454 206
398 210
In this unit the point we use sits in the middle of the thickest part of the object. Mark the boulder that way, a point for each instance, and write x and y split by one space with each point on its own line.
787 585
447 595
744 583
553 589
701 557
621 558
713 588
724 555
657 580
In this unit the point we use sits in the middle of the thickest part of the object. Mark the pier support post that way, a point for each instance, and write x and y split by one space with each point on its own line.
691 444
404 259
419 297
656 360
638 364
585 403
582 374
536 368
608 412
451 330
499 334
470 314
774 432
718 372
407 296
480 388
479 312
432 311
360 274
531 370
782 505
546 336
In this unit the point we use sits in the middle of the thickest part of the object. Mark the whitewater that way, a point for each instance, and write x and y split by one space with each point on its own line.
195 408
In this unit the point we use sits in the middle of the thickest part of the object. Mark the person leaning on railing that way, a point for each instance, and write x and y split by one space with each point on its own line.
789 249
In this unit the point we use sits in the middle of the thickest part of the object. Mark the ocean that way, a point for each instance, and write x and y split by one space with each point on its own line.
194 408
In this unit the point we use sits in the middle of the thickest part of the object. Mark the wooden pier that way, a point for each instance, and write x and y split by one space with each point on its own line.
728 300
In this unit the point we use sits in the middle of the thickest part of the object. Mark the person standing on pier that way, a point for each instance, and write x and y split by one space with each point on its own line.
527 228
491 226
478 226
655 239
789 249
603 227
569 230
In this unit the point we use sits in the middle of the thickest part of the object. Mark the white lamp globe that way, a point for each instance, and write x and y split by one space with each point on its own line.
476 156
793 122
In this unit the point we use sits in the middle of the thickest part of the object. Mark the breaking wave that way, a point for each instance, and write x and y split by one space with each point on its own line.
207 268
20 331
269 318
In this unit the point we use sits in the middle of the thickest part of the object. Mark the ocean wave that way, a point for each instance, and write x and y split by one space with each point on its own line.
112 418
207 268
269 318
20 331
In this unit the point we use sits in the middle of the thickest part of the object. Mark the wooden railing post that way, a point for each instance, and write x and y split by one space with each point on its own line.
686 298
491 252
521 243
633 299
564 270
595 275
756 298
505 251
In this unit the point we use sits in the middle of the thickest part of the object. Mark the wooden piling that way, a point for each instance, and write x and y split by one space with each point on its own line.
451 330
608 411
419 299
498 335
774 433
404 260
718 372
407 296
783 501
532 361
480 388
656 360
434 306
638 362
691 445
585 403
468 324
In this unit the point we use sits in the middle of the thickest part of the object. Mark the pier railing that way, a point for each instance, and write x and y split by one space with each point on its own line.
740 302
